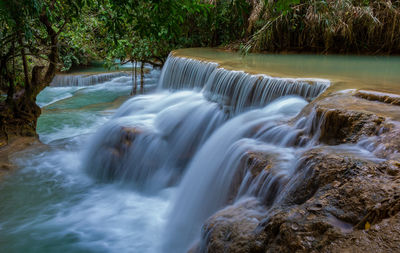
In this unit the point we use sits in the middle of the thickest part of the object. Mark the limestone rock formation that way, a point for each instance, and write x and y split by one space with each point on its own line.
334 196
339 199
232 229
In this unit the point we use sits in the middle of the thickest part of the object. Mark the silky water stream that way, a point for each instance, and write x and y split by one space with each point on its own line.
52 205
144 177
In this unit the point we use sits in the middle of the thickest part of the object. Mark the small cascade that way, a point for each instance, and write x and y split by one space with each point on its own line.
238 90
223 170
84 80
151 139
235 90
183 73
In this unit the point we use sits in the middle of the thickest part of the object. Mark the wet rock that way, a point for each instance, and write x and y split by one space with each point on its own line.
383 97
333 197
338 199
382 237
338 125
336 195
254 167
112 153
358 117
233 229
346 126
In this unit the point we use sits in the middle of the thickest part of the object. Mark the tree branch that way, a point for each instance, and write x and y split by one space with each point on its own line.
62 27
53 55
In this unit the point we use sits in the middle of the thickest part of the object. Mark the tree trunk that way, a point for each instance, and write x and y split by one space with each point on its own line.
134 80
24 62
19 114
141 77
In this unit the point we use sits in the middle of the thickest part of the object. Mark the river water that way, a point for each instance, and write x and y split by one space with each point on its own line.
142 174
52 205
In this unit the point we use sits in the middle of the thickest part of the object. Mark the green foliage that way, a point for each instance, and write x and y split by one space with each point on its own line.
284 6
146 30
229 21
32 35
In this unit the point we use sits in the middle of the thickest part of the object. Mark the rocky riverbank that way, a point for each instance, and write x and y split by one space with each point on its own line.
8 151
338 200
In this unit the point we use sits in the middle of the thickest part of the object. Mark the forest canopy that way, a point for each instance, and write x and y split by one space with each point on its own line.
40 37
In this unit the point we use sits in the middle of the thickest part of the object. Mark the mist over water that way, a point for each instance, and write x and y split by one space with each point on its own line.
143 176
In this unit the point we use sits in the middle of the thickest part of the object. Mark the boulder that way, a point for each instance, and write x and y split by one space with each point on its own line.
331 197
233 229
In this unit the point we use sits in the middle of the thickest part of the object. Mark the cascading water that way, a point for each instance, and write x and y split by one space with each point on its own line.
187 145
50 205
235 90
204 151
152 140
210 177
85 80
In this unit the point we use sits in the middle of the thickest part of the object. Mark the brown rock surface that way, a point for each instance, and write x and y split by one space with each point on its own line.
382 237
349 117
233 229
379 96
338 200
333 197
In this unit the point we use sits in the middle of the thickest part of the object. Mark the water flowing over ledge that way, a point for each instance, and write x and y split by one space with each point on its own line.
195 98
85 79
235 90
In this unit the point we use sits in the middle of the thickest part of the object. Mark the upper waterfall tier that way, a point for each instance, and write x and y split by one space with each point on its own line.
236 90
344 71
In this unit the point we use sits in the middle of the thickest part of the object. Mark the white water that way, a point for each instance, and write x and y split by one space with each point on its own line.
153 140
85 80
51 205
207 184
144 178
236 91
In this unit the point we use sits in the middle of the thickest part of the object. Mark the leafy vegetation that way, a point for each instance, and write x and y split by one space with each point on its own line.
40 37
146 31
31 40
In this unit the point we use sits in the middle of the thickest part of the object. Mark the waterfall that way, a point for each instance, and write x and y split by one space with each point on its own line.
235 90
183 73
214 171
151 139
201 131
84 80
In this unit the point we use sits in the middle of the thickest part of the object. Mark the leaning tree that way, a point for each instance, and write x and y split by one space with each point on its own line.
29 56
